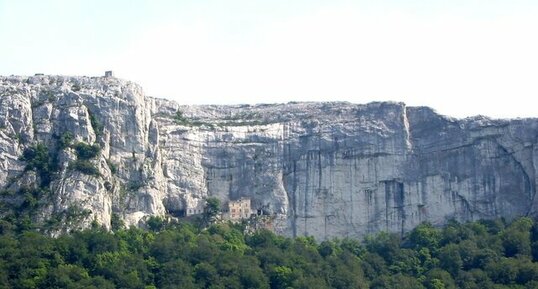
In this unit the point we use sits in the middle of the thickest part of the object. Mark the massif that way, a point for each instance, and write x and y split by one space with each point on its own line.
77 150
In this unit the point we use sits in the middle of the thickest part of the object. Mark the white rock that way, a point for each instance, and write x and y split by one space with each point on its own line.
323 169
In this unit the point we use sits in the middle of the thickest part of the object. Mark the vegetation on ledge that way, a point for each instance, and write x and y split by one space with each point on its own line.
39 159
180 119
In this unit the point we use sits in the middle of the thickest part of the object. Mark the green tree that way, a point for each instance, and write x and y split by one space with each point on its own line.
175 274
281 277
397 281
450 259
65 276
516 239
116 223
85 151
439 279
425 235
211 210
156 223
205 275
39 159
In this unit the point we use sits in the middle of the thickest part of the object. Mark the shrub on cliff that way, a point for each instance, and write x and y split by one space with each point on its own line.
85 167
85 151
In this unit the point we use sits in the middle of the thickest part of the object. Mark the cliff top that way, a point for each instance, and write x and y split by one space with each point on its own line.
230 114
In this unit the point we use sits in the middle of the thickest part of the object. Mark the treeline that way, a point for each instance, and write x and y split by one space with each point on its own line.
484 254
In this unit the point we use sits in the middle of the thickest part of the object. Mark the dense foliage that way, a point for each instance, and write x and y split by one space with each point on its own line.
39 159
97 125
486 254
86 151
85 167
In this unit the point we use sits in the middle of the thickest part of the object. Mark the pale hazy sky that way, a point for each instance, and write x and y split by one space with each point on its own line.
461 57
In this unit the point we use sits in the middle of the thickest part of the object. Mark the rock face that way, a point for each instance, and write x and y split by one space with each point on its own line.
321 169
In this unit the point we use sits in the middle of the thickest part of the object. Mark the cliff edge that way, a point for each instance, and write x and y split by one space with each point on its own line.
322 169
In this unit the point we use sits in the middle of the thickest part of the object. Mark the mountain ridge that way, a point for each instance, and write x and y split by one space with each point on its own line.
332 169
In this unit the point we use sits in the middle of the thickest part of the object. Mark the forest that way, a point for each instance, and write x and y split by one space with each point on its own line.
178 254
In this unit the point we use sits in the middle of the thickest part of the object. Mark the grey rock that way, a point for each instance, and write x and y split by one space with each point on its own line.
322 169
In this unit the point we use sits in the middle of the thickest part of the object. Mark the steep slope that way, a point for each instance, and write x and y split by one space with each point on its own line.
321 169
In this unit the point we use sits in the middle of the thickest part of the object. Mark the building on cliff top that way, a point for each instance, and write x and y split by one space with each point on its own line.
109 73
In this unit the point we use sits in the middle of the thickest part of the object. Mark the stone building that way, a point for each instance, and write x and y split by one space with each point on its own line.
194 209
238 210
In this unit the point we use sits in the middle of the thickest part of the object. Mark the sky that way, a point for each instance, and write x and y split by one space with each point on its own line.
461 57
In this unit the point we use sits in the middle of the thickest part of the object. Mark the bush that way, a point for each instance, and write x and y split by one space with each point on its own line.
133 186
116 223
113 167
85 151
38 159
155 223
179 118
85 167
96 124
65 140
31 198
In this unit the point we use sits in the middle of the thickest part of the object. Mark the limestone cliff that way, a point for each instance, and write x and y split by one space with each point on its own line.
322 169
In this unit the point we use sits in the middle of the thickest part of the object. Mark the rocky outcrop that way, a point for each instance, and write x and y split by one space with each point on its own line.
321 169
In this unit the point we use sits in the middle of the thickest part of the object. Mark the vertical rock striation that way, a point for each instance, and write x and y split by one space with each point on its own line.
321 169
